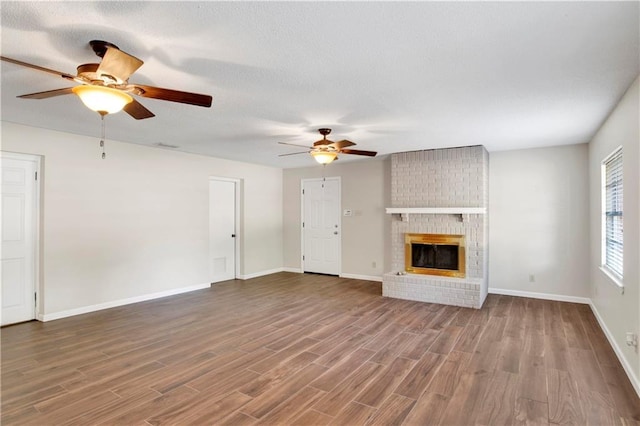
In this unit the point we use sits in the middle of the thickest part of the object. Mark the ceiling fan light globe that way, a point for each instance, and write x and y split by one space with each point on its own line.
102 99
324 157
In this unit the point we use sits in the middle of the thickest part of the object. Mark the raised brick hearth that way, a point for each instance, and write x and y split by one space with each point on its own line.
449 179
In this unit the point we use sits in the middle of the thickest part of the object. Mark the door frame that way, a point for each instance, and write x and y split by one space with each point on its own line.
37 228
302 182
238 230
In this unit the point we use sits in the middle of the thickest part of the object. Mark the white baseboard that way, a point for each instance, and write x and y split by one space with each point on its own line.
362 277
121 302
545 296
300 271
260 274
625 364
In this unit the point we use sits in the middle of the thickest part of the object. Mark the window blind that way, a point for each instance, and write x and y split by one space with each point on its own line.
613 213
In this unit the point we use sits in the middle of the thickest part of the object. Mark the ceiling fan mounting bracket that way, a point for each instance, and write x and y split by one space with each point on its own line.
100 47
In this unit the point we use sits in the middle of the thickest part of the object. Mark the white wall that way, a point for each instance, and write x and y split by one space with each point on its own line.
619 312
539 220
365 190
137 223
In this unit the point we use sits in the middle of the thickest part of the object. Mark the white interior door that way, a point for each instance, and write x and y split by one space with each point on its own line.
19 215
222 229
321 225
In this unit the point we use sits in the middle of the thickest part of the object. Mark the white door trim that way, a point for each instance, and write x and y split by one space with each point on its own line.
302 181
238 183
37 281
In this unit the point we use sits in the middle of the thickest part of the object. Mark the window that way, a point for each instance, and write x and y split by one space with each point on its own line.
612 233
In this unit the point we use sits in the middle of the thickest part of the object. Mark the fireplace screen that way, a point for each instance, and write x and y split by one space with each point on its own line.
435 254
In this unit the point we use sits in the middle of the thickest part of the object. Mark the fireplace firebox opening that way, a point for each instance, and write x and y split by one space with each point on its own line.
435 254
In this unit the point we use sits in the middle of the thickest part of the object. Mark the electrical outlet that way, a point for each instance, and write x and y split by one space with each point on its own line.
532 278
373 264
632 339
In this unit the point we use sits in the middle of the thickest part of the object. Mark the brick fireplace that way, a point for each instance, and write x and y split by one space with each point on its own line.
440 194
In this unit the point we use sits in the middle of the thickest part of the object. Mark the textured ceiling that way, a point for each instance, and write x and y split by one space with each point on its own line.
390 76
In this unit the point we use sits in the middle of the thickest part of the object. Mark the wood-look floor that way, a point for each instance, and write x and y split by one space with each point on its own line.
310 349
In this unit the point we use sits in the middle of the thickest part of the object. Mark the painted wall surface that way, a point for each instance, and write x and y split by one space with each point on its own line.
539 220
620 312
137 222
365 189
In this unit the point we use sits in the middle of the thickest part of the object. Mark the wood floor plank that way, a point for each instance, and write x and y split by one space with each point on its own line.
515 326
347 390
598 409
448 375
313 417
144 411
116 407
266 402
469 338
310 349
428 410
224 371
585 369
553 322
381 386
465 404
237 419
394 348
498 406
200 409
354 414
300 402
335 375
420 376
510 352
622 392
446 339
419 345
556 349
531 413
283 356
383 337
533 379
274 377
564 402
393 411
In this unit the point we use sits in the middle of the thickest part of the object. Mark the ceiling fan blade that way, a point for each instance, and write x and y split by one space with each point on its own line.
293 144
322 142
358 152
342 144
293 153
39 68
174 96
118 65
47 94
137 110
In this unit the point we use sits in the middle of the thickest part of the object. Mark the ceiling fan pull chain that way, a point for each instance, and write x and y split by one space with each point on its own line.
102 138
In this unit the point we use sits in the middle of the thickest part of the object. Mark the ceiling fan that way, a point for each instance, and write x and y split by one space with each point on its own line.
105 87
325 151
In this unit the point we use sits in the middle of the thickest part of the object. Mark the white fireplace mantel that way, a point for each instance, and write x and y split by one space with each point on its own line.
404 212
